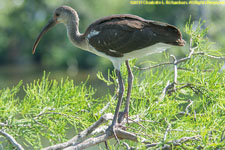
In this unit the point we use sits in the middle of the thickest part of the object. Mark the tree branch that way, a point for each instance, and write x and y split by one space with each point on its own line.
174 142
11 140
121 134
82 134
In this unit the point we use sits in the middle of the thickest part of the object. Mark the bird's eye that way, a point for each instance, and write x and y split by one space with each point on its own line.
57 14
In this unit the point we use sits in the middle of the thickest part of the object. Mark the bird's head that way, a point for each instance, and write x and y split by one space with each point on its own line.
63 14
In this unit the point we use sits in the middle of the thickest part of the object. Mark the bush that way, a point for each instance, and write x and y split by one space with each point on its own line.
177 106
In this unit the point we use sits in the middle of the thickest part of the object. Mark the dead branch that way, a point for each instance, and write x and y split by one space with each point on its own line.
167 87
81 141
3 124
167 130
178 142
155 66
222 136
121 134
189 105
211 56
82 134
179 130
11 139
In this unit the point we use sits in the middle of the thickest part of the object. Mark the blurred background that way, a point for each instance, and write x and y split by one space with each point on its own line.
22 20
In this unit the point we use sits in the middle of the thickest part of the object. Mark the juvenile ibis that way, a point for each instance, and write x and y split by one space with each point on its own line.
117 38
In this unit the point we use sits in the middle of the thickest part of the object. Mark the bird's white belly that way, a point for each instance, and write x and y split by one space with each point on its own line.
117 61
157 48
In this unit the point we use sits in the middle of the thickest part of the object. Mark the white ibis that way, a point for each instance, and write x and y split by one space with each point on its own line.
117 38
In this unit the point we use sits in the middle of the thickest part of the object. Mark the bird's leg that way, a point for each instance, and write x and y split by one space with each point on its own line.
130 82
121 90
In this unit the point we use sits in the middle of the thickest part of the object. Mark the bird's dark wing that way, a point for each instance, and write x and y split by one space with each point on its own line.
120 34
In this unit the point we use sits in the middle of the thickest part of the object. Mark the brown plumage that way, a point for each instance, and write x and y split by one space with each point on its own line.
126 33
117 38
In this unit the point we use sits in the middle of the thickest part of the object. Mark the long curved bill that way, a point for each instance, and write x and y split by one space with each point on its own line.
50 24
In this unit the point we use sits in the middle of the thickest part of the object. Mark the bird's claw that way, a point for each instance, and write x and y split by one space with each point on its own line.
121 117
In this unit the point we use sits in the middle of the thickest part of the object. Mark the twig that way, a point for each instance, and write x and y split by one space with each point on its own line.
140 132
167 130
126 145
11 140
222 136
211 56
184 130
183 140
155 66
3 124
82 134
195 115
41 124
137 122
175 68
174 142
187 69
168 86
51 112
189 105
46 113
90 142
121 134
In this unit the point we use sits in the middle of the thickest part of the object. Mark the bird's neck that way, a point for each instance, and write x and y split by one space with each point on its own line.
73 33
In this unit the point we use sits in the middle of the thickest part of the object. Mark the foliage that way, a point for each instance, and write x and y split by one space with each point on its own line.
54 111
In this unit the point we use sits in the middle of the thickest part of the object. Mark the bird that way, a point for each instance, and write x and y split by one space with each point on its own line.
119 38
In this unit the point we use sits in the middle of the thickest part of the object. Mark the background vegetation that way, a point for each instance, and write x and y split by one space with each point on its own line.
48 109
178 107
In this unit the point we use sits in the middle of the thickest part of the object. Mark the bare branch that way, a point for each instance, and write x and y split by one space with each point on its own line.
90 142
174 142
51 112
183 140
211 56
11 140
189 105
121 134
187 69
175 71
222 136
167 130
155 66
3 124
184 130
126 145
194 115
168 86
42 113
82 134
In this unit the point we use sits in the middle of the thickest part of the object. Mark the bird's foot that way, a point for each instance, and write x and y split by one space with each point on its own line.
122 115
111 130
